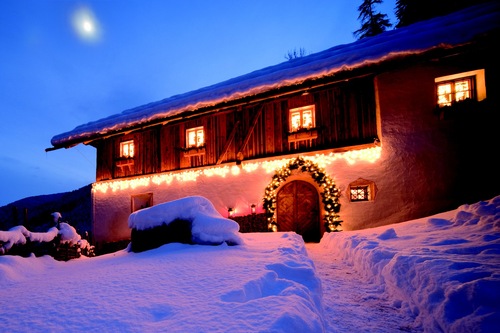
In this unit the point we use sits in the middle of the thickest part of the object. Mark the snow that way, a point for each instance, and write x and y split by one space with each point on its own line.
20 235
207 225
435 274
443 270
443 32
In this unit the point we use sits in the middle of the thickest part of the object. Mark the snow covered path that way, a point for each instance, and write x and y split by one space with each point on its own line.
353 304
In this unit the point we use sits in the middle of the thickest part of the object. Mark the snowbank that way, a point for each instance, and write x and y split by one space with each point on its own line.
444 270
266 285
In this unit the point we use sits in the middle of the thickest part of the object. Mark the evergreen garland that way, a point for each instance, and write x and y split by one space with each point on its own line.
330 194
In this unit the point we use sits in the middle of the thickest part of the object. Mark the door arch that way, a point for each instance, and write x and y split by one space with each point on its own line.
297 210
329 192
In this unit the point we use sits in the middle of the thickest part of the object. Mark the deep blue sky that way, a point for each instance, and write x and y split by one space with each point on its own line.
53 79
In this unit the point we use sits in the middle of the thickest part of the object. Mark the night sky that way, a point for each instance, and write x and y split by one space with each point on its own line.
65 63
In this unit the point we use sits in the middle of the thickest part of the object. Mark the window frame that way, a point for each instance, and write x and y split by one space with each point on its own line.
369 189
196 130
141 201
477 89
301 110
354 192
127 153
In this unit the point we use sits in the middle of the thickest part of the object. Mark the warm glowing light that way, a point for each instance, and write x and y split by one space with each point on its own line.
235 170
127 149
330 192
449 92
220 171
302 118
195 137
321 160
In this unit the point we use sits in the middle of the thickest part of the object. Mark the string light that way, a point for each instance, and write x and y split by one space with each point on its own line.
330 194
320 160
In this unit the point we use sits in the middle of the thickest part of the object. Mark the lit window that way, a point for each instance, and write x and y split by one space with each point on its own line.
195 137
302 118
454 91
127 149
459 87
360 193
362 190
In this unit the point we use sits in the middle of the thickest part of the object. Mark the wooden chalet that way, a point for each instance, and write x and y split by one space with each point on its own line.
386 129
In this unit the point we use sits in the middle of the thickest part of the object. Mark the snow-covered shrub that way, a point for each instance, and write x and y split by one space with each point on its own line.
20 241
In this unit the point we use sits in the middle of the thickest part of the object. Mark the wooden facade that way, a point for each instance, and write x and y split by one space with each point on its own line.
345 115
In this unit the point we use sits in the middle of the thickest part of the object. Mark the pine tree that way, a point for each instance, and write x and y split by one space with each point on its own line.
412 11
372 23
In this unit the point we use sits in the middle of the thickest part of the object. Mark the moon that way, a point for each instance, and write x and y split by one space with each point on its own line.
85 24
88 26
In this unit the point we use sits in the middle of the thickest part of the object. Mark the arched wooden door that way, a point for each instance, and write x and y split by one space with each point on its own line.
298 210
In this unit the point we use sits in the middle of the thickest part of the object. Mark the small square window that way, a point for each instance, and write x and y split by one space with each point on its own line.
362 190
141 201
360 193
302 118
195 137
127 149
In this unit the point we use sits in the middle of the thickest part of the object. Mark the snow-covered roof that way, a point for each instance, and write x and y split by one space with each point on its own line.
456 29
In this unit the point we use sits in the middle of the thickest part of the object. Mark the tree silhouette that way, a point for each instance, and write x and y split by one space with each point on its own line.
372 23
295 54
412 11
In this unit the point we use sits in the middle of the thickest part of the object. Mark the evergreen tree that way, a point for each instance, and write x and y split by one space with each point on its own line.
372 23
412 11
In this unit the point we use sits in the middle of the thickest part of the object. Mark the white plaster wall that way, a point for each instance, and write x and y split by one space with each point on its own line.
239 192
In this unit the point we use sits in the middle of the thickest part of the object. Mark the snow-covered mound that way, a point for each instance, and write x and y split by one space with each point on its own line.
207 225
444 270
266 285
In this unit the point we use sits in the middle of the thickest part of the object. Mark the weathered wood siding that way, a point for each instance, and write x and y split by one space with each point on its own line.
345 115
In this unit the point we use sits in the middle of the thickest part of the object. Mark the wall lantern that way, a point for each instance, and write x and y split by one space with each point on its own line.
230 212
253 209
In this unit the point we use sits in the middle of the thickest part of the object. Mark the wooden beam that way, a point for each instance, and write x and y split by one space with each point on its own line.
250 130
228 142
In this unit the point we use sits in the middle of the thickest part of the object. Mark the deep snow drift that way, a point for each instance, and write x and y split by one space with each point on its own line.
437 274
443 270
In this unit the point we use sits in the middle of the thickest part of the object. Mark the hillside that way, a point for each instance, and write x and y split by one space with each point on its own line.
35 212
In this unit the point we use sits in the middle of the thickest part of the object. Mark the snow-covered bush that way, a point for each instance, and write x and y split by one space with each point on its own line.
41 243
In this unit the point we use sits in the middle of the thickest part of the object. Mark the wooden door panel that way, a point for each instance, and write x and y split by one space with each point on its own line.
285 209
298 210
